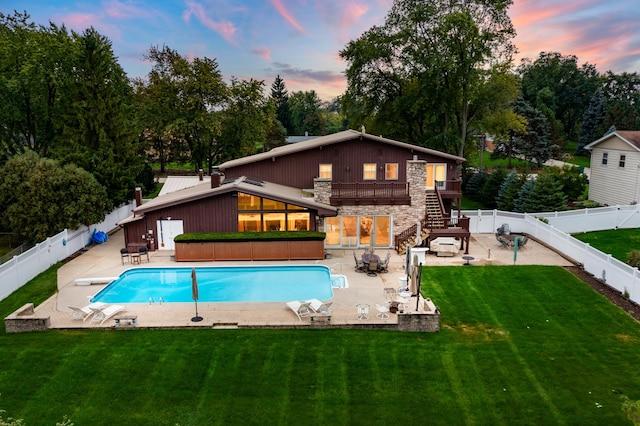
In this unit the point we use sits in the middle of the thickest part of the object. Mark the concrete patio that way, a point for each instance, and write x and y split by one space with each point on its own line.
104 261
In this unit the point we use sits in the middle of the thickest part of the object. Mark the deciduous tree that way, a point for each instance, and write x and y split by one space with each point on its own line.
419 77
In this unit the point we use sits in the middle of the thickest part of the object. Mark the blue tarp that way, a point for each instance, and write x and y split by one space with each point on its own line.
99 237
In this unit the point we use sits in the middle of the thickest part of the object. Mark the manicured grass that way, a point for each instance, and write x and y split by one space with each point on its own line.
617 242
519 345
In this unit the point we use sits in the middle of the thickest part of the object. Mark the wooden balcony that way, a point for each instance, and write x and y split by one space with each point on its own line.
369 193
451 189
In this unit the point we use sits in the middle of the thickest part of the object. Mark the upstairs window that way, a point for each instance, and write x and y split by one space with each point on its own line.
391 171
369 171
605 158
326 171
623 158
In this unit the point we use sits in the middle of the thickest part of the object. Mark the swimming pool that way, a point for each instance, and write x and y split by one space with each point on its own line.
222 284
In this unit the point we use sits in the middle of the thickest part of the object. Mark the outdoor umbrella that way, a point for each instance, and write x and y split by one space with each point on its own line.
194 294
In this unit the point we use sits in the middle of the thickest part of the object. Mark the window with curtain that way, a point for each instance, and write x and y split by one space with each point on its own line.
326 171
369 171
391 171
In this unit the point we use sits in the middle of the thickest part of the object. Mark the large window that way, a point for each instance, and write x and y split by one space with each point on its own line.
326 171
358 231
258 214
369 171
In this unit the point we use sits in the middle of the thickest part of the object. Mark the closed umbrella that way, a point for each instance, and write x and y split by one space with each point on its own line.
194 294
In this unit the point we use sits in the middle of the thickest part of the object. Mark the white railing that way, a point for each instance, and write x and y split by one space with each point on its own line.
20 269
613 272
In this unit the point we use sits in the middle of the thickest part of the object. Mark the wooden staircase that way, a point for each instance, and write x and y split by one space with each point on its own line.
433 211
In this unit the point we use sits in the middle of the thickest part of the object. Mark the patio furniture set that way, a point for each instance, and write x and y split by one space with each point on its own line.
370 263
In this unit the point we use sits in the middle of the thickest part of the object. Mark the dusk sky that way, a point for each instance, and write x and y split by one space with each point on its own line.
300 39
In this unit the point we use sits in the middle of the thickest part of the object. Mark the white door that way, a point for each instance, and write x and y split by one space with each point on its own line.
167 231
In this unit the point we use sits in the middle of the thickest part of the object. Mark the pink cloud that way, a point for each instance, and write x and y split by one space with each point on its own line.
225 28
263 52
277 4
122 10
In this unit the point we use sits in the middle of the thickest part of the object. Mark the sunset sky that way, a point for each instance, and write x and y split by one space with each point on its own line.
300 39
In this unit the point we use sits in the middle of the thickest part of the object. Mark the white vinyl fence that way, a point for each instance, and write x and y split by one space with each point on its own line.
616 274
20 269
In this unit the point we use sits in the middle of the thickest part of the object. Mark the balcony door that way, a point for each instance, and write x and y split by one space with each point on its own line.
436 173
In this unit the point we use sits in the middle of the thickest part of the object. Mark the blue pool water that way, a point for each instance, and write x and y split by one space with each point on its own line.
222 284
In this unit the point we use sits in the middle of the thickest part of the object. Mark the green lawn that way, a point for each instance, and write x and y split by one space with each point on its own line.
519 345
617 242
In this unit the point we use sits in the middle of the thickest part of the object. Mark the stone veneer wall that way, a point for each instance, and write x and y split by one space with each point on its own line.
403 216
24 320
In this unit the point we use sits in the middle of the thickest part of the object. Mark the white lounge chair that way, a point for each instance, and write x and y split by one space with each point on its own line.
301 309
86 312
101 315
320 307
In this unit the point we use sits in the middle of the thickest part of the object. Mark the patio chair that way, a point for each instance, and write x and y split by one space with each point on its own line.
360 267
372 270
124 253
320 307
383 311
86 312
362 311
384 264
301 309
144 251
101 315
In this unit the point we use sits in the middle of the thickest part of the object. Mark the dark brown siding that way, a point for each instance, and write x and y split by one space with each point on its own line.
214 214
299 169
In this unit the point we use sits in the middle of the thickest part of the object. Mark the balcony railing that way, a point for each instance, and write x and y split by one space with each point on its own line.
369 193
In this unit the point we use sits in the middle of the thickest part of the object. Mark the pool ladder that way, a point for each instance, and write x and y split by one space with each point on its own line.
160 300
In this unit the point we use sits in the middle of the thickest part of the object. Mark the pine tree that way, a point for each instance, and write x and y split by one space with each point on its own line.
592 120
492 186
280 97
509 191
523 195
546 195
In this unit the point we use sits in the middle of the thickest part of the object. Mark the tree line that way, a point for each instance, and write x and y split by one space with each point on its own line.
73 125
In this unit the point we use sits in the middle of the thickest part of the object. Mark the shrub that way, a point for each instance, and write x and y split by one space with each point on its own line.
633 258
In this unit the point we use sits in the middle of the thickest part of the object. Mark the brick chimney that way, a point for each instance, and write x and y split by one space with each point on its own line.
138 196
216 177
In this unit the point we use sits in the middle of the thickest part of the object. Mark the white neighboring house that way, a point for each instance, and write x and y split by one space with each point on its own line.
615 168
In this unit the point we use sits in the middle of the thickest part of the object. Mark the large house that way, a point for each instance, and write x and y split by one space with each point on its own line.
362 190
615 168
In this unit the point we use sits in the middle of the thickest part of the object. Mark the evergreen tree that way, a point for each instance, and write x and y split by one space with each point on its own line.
98 134
592 122
280 97
523 195
492 186
509 191
473 186
545 196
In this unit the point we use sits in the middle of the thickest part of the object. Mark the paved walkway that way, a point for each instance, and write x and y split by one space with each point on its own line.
104 261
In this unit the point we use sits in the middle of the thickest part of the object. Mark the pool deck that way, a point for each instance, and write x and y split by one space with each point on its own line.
104 261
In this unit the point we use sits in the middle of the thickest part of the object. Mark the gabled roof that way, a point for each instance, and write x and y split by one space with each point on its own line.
244 184
334 138
631 137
